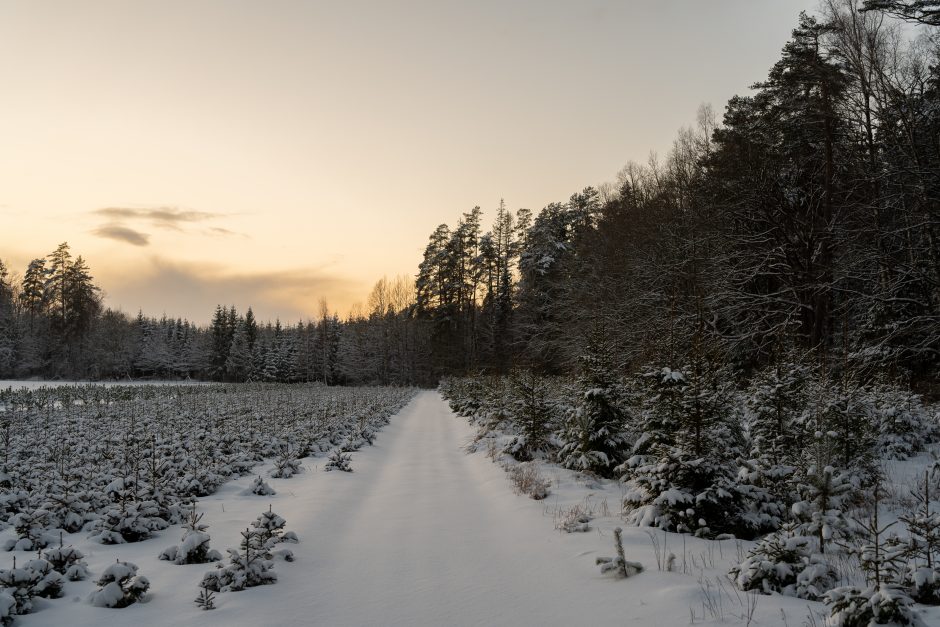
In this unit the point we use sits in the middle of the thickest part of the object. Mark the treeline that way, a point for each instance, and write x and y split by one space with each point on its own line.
53 325
808 220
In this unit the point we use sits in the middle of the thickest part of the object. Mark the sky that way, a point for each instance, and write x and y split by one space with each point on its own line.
274 153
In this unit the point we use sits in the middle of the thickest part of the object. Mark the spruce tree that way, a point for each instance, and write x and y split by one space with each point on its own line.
594 430
681 475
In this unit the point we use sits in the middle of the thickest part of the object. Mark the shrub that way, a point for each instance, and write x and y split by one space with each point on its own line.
526 479
119 586
784 562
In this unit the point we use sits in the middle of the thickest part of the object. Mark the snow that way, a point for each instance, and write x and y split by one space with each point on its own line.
423 533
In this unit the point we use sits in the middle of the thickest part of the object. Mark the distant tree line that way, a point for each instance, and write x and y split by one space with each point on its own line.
53 325
807 220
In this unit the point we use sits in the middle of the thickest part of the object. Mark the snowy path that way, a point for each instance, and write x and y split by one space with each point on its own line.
426 535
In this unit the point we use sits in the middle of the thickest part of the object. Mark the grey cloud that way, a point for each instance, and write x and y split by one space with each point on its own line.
122 234
163 217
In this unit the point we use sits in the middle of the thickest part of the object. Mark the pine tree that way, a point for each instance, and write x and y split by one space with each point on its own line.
220 342
773 405
8 335
594 431
824 493
33 295
922 11
238 362
533 414
681 475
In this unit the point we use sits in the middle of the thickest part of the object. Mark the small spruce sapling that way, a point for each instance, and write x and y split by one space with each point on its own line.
206 599
245 569
286 465
922 578
68 561
119 586
819 513
883 602
785 561
338 460
194 548
30 527
36 579
269 532
260 487
594 430
619 565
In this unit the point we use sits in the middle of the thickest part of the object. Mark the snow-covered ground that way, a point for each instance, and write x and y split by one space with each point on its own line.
422 533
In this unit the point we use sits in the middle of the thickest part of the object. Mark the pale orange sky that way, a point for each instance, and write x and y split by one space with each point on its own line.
272 153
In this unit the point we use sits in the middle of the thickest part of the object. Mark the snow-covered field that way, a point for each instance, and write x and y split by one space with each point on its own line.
112 472
423 533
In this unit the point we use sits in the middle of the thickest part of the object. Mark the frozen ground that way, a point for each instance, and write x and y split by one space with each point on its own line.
422 533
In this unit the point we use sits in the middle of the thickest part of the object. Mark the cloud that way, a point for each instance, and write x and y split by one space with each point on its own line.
162 217
219 231
123 234
168 218
193 290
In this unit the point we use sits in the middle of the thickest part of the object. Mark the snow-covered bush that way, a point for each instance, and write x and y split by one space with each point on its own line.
68 510
247 568
128 522
36 578
923 544
68 561
921 577
532 412
7 608
883 605
840 430
574 520
194 548
268 532
260 487
904 426
922 584
338 460
30 527
286 465
119 586
788 563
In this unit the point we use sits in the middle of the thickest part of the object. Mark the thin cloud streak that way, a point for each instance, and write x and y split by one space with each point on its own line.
163 217
220 232
122 234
